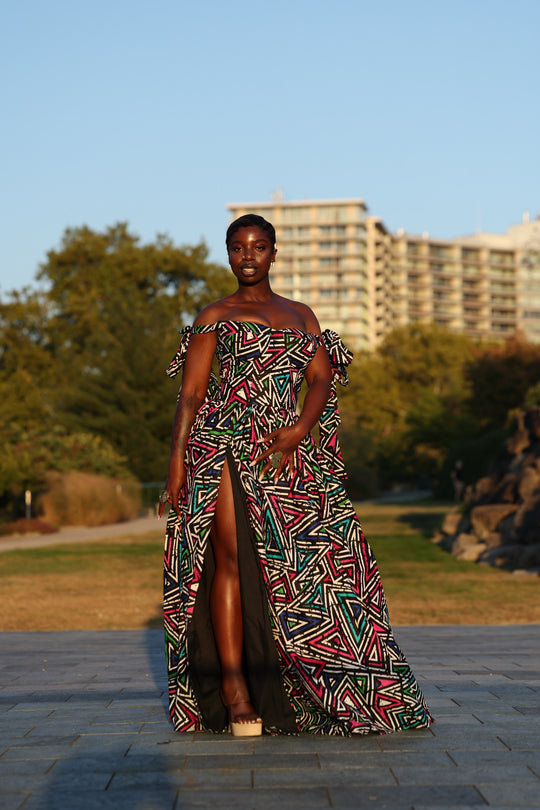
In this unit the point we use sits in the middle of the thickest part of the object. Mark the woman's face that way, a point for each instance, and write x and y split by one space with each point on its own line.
250 254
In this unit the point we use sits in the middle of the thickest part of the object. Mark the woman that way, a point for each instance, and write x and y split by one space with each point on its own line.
274 610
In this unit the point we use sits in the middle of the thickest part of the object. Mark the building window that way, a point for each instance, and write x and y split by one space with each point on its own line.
440 251
296 214
501 257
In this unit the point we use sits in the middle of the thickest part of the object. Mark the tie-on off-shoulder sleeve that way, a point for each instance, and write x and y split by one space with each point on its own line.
340 358
179 358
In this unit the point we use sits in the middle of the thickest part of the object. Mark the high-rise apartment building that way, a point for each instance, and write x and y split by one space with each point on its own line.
362 280
326 259
485 285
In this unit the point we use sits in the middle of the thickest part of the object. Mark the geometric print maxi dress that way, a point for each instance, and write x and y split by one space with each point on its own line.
319 654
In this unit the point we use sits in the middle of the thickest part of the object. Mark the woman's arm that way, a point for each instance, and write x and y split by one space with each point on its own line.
319 380
196 375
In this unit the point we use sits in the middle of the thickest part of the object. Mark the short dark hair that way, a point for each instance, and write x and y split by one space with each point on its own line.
247 221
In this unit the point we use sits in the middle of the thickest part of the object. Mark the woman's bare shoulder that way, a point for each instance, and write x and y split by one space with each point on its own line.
212 313
308 316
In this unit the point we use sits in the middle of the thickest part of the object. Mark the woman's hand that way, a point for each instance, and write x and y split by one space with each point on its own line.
176 481
285 441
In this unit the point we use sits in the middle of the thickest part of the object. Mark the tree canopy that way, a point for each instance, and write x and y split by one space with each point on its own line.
425 395
85 355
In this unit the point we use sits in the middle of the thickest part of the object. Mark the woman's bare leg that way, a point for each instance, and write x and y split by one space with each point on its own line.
226 606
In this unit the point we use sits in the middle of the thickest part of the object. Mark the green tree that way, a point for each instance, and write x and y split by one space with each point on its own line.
500 376
27 382
408 401
117 307
86 354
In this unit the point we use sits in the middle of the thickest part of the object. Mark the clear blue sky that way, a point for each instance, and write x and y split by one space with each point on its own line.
160 112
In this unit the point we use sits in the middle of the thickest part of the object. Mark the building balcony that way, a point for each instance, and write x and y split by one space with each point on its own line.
505 318
445 311
476 330
419 313
440 284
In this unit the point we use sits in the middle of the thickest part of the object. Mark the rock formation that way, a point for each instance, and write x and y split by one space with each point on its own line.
500 522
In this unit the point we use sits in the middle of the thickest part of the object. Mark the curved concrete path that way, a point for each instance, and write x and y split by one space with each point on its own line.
83 726
81 534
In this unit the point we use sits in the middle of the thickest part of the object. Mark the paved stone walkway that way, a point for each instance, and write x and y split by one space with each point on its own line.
84 726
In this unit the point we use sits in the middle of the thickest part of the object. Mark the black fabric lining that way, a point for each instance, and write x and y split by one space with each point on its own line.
261 662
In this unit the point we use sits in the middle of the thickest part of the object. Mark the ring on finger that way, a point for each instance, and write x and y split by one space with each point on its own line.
275 459
164 496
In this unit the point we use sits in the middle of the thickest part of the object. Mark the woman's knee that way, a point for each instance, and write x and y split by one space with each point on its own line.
224 529
226 556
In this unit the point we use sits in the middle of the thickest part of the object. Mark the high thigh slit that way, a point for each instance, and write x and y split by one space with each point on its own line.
261 664
319 653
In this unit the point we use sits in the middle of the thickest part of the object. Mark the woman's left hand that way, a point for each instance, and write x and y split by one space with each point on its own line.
281 452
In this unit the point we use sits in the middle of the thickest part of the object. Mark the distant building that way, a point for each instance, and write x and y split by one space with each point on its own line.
362 281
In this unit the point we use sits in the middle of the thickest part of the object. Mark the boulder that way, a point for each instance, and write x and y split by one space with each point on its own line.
462 542
532 535
530 557
507 530
519 440
446 542
493 540
471 553
501 524
485 519
451 522
484 489
529 459
506 488
437 538
517 463
517 443
529 483
527 517
503 556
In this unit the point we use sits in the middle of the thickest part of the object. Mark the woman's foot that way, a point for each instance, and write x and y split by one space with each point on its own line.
243 719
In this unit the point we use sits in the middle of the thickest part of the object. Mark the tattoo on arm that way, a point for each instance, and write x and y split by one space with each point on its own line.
186 411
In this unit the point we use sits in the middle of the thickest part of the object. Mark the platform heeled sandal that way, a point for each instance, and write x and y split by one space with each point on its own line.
247 729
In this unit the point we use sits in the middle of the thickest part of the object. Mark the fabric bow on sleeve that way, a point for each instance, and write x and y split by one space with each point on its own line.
340 358
177 363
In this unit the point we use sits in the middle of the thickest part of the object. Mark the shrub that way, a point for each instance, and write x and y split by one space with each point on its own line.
75 499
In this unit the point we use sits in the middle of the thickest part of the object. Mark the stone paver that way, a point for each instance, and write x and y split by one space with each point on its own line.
83 725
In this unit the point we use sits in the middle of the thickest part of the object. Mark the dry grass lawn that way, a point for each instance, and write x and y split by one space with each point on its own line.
116 584
105 585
